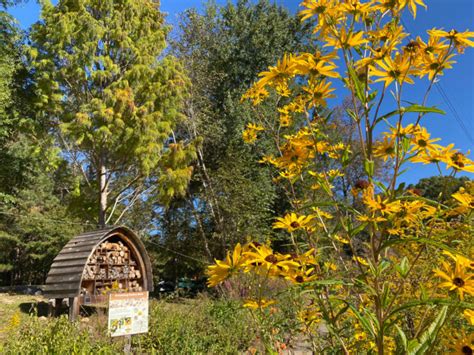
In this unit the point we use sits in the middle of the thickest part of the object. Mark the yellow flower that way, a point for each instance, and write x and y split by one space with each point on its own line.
436 45
360 260
412 5
357 9
14 321
460 39
284 70
268 159
322 213
421 140
285 118
346 39
314 65
393 5
327 12
314 8
360 336
382 206
457 160
310 316
385 149
294 157
256 94
398 69
434 65
249 135
262 303
465 199
263 256
469 314
224 268
300 276
318 92
387 38
430 157
292 222
330 266
341 239
375 219
308 258
456 279
465 262
462 344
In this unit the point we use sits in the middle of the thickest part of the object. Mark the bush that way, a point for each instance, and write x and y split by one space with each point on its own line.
196 326
55 336
192 326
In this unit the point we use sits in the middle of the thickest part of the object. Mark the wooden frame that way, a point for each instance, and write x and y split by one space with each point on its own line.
66 276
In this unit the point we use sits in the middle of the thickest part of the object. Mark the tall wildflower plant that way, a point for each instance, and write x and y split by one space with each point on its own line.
383 270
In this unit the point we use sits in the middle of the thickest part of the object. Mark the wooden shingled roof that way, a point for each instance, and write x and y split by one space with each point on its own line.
65 276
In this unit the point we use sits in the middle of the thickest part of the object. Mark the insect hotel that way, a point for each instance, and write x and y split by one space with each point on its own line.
94 264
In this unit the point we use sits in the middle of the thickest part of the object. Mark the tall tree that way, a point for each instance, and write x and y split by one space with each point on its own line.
439 188
112 97
231 196
34 219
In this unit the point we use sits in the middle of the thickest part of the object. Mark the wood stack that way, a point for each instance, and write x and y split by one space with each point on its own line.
111 268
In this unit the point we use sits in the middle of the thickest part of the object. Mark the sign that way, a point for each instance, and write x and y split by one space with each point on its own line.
128 313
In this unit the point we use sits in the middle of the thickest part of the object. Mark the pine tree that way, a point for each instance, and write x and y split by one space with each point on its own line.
112 96
34 218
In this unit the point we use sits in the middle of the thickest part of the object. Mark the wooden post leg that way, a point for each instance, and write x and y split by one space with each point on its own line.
50 309
127 348
73 308
57 306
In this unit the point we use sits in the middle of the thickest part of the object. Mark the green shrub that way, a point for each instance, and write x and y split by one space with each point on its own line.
56 336
192 326
196 326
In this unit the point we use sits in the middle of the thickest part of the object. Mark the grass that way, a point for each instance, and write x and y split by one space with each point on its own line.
188 326
12 306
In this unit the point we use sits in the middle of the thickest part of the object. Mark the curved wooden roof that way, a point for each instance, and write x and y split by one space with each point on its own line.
65 275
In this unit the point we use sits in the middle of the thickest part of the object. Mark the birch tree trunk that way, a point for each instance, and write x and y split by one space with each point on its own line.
103 194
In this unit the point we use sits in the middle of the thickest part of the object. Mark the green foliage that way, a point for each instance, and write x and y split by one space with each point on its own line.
199 326
58 336
196 326
34 221
230 196
110 94
439 188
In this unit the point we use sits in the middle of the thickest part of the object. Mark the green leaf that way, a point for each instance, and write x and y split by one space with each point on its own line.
381 186
403 267
352 114
358 85
357 230
325 283
366 323
403 338
422 241
432 301
412 108
428 338
369 167
424 109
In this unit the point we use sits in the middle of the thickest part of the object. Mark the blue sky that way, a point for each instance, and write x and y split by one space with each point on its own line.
457 83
